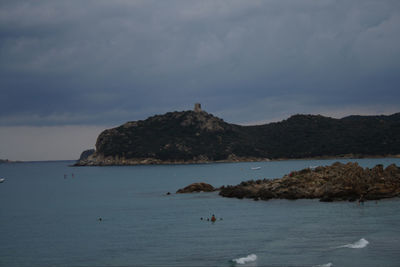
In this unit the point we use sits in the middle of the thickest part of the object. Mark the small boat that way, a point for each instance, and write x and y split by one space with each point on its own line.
256 168
2 180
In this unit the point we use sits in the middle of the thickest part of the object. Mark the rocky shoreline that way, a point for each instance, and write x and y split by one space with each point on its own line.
99 160
338 182
95 159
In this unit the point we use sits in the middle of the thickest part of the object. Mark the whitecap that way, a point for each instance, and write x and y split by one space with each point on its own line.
362 243
329 264
249 258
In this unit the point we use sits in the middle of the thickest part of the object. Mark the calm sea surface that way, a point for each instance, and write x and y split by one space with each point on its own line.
49 220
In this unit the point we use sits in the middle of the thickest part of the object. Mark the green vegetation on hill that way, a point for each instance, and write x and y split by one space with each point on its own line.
190 136
173 136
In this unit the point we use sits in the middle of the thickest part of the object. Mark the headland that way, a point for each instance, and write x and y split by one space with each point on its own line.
188 137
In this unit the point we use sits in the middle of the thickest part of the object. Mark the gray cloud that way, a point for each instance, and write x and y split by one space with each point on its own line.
106 62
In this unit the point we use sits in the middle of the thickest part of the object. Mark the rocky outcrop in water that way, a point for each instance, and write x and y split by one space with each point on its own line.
196 187
330 183
199 137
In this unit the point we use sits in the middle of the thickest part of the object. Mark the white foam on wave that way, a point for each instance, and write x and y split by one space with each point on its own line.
329 264
362 243
249 258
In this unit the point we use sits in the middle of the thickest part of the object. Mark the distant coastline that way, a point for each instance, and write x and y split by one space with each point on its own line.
35 161
7 161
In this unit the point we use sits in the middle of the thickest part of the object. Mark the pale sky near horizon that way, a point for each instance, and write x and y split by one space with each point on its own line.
69 69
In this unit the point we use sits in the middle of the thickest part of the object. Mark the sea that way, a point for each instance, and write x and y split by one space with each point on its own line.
52 214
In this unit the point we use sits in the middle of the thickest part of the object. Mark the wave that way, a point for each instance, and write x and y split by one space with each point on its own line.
249 258
329 264
362 243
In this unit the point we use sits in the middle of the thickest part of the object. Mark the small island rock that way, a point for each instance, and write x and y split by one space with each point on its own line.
196 187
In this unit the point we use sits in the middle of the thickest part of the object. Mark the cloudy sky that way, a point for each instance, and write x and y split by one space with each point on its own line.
69 69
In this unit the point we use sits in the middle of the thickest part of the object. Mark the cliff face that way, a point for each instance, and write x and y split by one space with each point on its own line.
85 154
201 137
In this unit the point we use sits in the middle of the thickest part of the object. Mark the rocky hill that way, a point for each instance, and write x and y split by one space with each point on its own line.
197 136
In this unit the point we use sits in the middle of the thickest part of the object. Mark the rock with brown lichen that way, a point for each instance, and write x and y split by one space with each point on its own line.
330 183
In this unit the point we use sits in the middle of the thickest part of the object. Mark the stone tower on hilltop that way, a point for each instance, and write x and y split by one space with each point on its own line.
197 107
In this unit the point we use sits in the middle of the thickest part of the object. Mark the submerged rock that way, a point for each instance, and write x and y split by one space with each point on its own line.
196 187
330 183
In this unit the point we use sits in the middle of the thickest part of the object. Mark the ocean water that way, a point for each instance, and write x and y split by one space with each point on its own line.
49 220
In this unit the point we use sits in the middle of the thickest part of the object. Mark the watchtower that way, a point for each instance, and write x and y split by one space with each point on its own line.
197 107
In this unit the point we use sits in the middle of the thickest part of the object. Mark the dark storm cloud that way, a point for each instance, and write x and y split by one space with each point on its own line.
105 62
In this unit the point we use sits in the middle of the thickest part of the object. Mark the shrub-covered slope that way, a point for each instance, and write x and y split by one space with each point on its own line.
190 136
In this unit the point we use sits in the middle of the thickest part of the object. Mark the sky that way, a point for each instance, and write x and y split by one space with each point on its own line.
70 69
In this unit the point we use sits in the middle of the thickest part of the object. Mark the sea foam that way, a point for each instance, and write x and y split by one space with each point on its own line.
329 264
249 258
362 243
